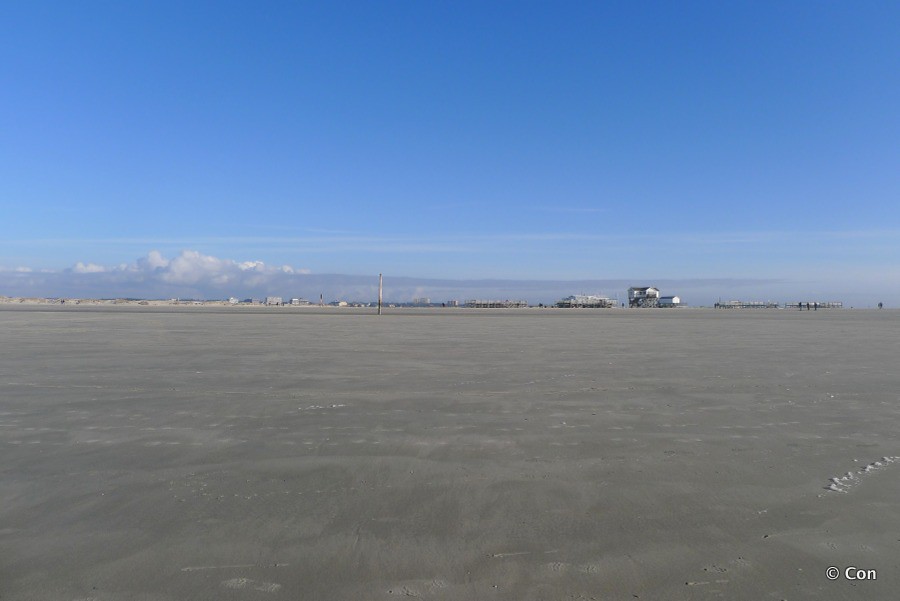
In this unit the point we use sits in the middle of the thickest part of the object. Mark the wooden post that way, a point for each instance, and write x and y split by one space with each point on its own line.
380 288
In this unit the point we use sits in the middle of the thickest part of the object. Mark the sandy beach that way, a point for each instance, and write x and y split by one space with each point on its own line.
162 454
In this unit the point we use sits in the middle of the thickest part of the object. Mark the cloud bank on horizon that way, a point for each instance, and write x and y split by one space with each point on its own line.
192 274
191 268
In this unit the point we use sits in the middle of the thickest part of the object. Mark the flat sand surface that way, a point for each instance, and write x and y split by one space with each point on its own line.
322 454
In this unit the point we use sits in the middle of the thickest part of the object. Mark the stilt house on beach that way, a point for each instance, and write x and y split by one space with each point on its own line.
586 301
643 297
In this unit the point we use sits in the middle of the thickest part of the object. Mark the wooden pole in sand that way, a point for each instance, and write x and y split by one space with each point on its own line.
380 289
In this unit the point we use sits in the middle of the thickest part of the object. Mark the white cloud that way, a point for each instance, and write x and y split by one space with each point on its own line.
153 260
194 268
88 268
188 274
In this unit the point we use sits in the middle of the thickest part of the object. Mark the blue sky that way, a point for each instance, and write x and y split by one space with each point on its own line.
539 140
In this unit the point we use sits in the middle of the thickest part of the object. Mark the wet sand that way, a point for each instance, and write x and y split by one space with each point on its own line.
162 454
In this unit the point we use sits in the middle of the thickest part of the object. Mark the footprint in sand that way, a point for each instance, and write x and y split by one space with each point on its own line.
844 483
415 588
589 568
255 585
405 591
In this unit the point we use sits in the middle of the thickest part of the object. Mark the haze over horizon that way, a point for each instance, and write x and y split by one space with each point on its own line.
740 150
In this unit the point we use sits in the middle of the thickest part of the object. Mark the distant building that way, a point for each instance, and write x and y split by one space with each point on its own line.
300 302
421 301
737 304
496 304
812 305
586 301
643 296
669 301
452 303
274 300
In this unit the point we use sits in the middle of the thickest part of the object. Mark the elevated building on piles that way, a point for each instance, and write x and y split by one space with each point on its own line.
586 301
643 297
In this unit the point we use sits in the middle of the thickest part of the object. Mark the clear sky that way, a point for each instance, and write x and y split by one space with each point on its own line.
538 140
